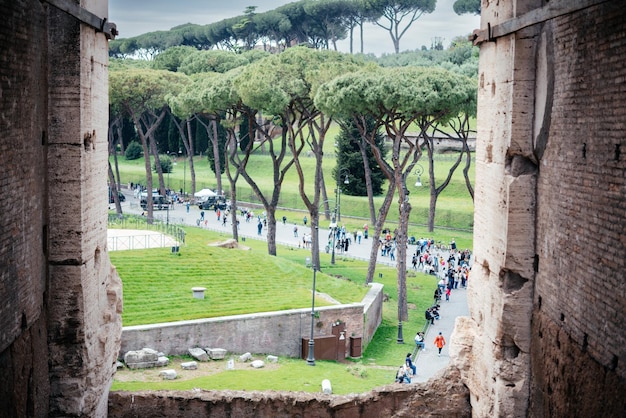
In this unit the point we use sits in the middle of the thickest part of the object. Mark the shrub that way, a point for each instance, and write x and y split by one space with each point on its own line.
134 151
166 164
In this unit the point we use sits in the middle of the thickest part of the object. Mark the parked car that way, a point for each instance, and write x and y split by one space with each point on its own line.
158 202
213 202
121 196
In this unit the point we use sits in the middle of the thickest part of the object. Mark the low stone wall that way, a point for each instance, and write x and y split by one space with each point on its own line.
372 312
443 396
278 333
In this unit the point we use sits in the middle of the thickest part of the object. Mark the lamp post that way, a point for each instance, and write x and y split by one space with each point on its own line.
337 214
180 151
343 172
310 360
419 171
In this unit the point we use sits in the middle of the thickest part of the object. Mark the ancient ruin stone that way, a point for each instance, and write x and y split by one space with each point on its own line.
169 374
257 364
141 359
216 353
199 354
189 365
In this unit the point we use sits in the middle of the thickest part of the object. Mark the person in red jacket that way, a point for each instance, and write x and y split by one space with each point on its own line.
440 342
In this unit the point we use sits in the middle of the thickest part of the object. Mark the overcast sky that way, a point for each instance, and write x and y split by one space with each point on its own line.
134 17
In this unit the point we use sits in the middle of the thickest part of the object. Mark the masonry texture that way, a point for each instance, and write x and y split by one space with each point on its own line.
61 301
545 335
547 293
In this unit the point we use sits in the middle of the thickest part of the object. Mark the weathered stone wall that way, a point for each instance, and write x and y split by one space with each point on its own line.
444 396
24 387
547 291
277 333
579 320
85 293
59 315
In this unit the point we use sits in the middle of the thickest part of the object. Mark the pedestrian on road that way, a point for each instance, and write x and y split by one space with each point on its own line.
440 342
409 363
295 230
202 216
259 227
448 294
304 220
284 220
187 207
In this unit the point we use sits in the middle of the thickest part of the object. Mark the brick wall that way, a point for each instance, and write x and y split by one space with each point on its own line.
547 292
23 353
580 296
59 316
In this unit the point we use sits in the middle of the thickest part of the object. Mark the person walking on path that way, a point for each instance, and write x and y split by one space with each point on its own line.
440 342
409 363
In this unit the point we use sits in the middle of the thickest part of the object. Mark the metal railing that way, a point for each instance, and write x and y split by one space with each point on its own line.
138 222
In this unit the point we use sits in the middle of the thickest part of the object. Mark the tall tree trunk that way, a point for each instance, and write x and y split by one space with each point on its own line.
401 240
231 146
362 42
368 180
119 141
378 228
190 154
149 130
114 191
217 157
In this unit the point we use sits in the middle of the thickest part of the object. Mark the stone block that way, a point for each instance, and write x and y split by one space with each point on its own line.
272 359
257 364
162 361
245 357
216 353
141 359
199 354
169 374
326 387
189 365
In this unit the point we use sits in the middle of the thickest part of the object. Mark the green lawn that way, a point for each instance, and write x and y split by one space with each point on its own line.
157 285
288 375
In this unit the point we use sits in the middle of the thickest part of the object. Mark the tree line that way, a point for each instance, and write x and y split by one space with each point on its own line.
316 23
285 104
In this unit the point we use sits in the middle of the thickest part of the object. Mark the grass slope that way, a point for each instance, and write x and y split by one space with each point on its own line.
157 287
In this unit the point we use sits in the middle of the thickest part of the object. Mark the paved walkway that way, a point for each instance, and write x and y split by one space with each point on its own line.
427 362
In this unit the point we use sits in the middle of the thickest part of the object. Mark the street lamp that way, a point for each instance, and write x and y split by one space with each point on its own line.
180 151
310 360
419 171
337 214
343 172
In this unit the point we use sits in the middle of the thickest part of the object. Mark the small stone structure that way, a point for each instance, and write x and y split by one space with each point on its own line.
141 359
169 374
216 353
199 354
257 364
189 365
198 292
